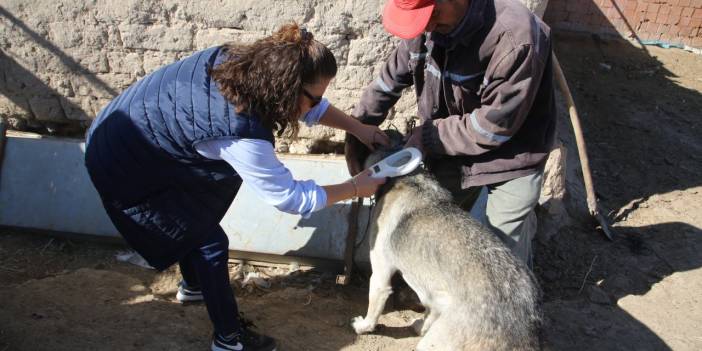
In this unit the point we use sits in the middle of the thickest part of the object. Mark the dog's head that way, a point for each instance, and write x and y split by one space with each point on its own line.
397 142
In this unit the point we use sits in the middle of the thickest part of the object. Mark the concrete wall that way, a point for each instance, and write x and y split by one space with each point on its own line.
669 21
62 61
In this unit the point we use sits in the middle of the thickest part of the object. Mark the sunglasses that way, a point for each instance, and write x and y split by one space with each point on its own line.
315 99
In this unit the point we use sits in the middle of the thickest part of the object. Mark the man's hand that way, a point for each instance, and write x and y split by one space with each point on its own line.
415 139
371 136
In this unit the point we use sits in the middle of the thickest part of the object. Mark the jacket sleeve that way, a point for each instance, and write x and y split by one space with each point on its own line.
509 89
255 162
384 91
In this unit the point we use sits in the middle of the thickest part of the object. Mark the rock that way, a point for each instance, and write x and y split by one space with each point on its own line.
17 123
47 109
282 147
157 37
13 106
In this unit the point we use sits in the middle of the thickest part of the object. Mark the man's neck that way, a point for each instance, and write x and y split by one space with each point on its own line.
462 22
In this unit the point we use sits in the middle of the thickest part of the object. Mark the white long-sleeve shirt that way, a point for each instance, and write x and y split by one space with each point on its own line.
255 161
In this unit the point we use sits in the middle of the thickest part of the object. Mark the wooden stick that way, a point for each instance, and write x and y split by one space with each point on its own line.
582 150
345 279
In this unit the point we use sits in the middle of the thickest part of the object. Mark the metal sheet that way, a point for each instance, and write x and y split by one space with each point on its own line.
44 185
257 227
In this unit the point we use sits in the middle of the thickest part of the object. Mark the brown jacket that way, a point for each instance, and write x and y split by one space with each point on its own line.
484 93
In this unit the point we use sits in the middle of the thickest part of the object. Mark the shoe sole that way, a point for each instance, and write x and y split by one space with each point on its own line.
182 298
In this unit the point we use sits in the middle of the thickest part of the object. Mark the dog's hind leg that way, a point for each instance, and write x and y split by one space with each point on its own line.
441 336
379 291
421 326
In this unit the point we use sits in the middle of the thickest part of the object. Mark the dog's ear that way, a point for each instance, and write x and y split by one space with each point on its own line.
355 153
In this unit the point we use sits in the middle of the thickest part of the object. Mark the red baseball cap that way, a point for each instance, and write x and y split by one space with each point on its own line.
407 18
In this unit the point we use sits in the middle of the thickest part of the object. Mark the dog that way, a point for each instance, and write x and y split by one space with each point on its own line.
477 295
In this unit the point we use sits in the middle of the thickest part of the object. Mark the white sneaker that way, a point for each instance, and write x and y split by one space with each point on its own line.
188 294
245 341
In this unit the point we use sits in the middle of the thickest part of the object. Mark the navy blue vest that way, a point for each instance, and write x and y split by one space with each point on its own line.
160 193
179 105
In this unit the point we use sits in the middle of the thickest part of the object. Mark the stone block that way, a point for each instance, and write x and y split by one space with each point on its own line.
205 38
96 63
352 78
155 59
64 34
14 106
260 16
125 62
76 108
157 37
368 51
47 108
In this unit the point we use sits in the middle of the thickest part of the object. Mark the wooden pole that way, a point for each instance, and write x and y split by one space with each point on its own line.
592 205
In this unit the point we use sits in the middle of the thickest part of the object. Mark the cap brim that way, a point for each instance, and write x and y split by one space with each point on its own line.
406 24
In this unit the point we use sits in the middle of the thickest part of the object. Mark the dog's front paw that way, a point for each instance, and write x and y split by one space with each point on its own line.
361 326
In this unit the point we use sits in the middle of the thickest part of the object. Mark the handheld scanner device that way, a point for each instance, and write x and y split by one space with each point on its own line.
397 164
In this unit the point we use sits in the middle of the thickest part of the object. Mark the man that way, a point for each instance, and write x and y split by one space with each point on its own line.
482 73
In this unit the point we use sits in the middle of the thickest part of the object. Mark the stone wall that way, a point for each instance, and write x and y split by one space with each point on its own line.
62 61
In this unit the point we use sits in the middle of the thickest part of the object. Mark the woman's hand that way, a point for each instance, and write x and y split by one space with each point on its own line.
365 185
362 185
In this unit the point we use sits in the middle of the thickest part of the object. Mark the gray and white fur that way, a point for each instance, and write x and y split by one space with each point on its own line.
477 295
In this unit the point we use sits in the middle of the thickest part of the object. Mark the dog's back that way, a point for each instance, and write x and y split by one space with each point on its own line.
479 296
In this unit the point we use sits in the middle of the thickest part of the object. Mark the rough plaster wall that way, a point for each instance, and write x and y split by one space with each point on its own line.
62 61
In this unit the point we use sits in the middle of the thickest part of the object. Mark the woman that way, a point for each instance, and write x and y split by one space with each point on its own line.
169 154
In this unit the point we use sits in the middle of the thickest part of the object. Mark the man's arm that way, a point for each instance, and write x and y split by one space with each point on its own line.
512 82
386 89
376 101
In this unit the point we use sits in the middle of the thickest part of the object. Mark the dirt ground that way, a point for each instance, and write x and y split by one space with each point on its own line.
641 115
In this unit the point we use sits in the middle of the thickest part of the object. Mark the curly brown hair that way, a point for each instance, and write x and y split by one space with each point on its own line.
265 78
